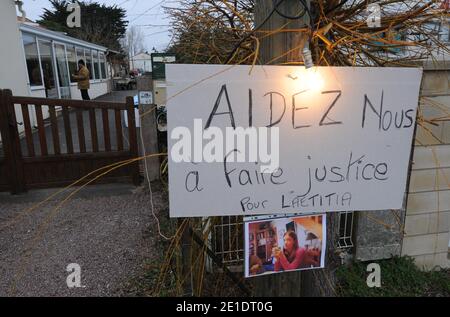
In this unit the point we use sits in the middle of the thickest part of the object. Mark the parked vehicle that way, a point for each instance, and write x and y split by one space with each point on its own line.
125 83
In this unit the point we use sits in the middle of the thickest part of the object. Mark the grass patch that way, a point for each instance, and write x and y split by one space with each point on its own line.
399 277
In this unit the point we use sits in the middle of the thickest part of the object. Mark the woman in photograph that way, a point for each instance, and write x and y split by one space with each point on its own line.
291 257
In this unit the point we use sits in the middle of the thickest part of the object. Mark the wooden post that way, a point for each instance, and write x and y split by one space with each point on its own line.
285 48
11 142
133 139
148 131
282 47
148 144
273 50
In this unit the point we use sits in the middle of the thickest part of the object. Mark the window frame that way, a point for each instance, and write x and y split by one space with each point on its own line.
95 62
78 57
91 71
102 60
50 43
74 47
64 45
36 38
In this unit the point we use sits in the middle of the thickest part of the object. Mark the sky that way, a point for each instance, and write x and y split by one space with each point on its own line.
140 13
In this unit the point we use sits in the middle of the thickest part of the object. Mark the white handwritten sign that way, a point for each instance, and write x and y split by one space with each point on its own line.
345 136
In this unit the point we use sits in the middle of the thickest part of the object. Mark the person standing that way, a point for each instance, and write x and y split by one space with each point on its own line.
82 78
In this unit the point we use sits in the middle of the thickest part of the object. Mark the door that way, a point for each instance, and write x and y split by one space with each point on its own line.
48 71
63 71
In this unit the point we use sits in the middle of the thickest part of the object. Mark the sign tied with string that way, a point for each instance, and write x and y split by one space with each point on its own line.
283 139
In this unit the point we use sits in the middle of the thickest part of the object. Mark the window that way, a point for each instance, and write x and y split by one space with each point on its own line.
102 65
88 56
80 55
63 71
32 59
72 60
46 52
96 65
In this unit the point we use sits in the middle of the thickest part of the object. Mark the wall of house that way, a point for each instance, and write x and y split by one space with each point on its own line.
38 93
426 232
145 64
141 61
97 89
13 72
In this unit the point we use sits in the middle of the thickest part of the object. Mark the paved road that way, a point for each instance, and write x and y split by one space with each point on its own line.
107 229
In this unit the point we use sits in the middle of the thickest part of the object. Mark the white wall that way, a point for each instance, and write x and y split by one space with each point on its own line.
39 93
13 71
145 64
142 61
427 222
97 89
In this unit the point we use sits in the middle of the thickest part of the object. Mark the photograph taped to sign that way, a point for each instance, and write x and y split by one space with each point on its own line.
284 243
326 139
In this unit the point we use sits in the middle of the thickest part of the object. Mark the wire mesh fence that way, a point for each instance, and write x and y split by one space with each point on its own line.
346 229
227 238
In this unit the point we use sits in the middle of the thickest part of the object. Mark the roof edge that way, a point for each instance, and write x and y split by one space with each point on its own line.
59 36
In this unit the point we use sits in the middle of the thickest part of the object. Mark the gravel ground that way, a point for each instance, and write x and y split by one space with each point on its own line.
107 229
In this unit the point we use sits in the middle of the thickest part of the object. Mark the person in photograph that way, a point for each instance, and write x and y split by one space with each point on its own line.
291 257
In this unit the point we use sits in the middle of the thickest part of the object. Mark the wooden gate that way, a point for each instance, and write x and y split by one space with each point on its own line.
68 145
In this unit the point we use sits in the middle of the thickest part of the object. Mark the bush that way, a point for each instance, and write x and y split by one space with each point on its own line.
399 277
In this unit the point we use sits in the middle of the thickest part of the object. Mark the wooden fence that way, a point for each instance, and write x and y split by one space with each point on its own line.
77 138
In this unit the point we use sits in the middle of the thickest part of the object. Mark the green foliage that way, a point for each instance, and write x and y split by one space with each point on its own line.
145 284
100 24
399 277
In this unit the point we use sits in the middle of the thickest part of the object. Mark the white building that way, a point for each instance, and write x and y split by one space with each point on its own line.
51 59
38 62
141 61
13 70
